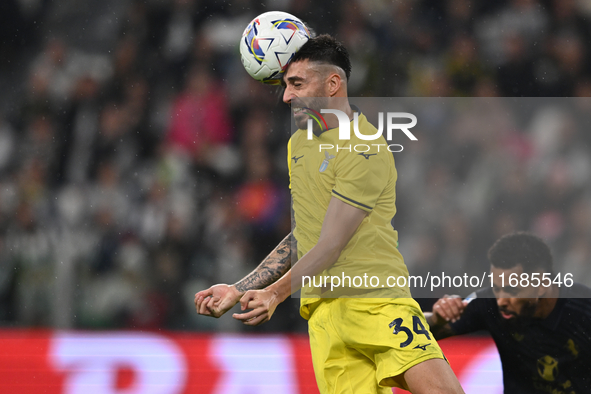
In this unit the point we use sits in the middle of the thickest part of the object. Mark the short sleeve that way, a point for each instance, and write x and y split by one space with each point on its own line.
360 178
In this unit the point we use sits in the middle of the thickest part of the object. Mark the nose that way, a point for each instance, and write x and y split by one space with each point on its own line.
287 95
502 302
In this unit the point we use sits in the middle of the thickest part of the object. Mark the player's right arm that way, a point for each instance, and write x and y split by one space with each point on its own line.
218 299
445 310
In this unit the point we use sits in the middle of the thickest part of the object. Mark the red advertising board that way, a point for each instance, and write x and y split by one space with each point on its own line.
129 362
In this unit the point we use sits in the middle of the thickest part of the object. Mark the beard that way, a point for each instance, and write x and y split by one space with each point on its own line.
310 106
521 320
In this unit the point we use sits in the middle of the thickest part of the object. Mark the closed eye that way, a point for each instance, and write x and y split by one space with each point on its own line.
295 81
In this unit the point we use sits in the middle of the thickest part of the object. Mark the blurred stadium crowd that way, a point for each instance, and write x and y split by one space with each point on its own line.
139 163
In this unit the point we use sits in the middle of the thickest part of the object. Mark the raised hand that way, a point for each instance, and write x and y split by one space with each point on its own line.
449 308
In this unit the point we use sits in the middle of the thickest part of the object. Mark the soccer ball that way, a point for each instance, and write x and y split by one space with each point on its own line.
268 44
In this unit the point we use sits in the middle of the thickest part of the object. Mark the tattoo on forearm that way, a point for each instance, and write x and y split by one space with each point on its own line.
273 267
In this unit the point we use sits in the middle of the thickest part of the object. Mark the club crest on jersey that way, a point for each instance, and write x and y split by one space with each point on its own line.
325 162
548 368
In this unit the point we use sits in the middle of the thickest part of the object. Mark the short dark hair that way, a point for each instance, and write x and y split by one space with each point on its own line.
521 248
325 49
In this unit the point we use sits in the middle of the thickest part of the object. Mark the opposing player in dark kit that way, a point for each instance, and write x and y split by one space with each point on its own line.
542 332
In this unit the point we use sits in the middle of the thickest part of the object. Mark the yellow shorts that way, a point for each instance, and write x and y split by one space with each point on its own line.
359 344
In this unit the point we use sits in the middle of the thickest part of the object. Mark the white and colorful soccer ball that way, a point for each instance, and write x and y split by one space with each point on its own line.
268 44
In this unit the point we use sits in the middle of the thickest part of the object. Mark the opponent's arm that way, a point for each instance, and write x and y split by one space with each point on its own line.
440 330
218 299
446 309
339 225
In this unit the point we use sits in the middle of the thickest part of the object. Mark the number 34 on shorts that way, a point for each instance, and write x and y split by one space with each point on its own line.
418 328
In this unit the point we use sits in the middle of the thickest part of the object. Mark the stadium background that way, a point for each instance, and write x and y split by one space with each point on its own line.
139 163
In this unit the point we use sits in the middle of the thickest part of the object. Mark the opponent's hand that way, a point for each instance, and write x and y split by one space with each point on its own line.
448 309
263 304
216 300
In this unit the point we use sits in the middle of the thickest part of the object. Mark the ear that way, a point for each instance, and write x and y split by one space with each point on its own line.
542 290
333 84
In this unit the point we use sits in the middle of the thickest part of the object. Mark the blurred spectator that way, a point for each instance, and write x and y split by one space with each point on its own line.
31 259
59 67
7 145
463 65
200 123
516 75
260 203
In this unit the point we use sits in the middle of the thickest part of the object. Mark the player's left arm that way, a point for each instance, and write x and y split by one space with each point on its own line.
340 223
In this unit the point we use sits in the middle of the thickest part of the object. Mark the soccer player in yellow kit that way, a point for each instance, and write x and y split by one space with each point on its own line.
343 203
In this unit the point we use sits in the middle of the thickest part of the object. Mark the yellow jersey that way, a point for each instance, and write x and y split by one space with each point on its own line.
360 173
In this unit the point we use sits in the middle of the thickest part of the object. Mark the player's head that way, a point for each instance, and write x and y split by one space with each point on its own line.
519 255
325 49
319 69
